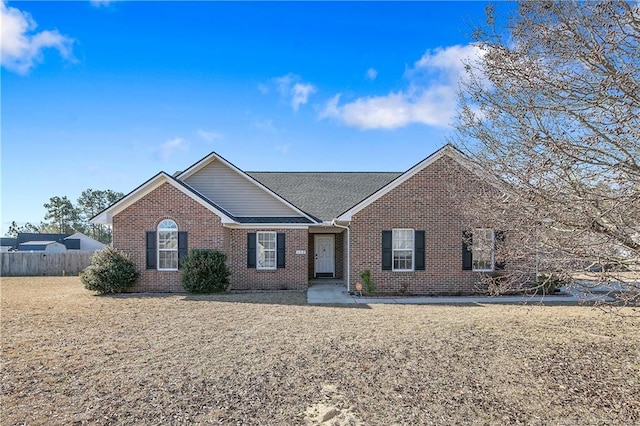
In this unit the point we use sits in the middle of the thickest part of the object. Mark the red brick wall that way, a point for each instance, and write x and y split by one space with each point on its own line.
293 276
340 255
166 202
423 202
311 250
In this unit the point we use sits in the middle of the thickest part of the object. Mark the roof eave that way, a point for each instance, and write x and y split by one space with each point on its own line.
105 217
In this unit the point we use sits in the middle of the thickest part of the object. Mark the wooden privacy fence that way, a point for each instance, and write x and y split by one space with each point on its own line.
17 264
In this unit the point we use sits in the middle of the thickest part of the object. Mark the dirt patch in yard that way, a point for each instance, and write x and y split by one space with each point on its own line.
71 357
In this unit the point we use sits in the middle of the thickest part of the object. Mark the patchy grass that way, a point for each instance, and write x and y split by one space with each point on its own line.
69 356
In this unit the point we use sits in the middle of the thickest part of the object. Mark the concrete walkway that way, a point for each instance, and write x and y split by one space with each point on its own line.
336 294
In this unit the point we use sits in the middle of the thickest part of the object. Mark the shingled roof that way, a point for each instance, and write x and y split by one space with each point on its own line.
324 195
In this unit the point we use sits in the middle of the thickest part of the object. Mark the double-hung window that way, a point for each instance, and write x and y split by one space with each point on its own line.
403 247
266 250
483 249
167 245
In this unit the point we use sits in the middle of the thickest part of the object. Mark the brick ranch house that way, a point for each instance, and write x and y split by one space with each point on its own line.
281 230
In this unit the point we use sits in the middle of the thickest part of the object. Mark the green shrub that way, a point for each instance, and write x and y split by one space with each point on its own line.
205 271
547 284
111 271
367 282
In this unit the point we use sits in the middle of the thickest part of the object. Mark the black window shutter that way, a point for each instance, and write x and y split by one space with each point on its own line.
418 251
499 239
387 251
467 254
251 250
183 247
151 250
280 254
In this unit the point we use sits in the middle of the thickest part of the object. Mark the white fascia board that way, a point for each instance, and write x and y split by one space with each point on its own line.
106 216
213 156
103 218
237 225
446 150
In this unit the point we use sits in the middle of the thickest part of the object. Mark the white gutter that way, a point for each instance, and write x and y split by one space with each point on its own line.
333 223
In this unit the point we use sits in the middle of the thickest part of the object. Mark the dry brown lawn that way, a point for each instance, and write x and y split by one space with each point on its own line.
70 357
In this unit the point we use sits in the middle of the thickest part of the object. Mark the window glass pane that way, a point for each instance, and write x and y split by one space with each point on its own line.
168 259
266 250
167 245
403 259
482 264
269 259
482 250
167 224
168 240
402 239
267 240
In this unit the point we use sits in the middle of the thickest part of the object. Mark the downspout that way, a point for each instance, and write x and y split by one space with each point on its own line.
333 223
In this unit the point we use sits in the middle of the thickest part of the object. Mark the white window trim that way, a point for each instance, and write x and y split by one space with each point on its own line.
275 251
413 250
158 250
477 232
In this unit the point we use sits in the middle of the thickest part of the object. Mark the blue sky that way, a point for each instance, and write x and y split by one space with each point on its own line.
103 95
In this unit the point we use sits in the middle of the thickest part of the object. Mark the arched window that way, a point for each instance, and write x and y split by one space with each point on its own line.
167 245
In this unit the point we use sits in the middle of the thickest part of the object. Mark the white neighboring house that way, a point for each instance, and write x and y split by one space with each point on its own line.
45 246
86 243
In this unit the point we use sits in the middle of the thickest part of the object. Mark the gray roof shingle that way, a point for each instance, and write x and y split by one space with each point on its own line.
324 194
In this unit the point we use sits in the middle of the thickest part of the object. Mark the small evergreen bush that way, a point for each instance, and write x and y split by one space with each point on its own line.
205 271
111 271
547 284
369 284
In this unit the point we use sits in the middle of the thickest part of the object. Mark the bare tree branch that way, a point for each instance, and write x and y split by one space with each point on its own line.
551 110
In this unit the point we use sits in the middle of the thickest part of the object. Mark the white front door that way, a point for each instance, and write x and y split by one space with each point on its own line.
324 252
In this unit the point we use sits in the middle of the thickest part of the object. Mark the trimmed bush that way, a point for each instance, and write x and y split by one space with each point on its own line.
205 271
111 271
369 285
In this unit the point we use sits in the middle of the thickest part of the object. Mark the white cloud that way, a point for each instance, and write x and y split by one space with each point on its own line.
292 88
449 59
285 82
371 74
266 124
101 3
429 98
301 93
208 136
21 48
168 148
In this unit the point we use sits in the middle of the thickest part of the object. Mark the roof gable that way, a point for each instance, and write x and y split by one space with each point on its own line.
447 150
106 216
236 191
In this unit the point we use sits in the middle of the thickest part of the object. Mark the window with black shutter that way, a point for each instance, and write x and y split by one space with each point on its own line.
152 255
387 250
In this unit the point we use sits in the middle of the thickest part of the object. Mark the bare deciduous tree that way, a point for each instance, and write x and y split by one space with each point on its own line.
550 113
